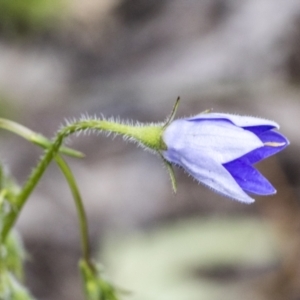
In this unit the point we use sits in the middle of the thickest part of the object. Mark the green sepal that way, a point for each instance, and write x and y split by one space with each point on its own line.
173 113
207 111
170 169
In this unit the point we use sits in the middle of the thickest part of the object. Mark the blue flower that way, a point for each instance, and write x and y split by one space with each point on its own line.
219 150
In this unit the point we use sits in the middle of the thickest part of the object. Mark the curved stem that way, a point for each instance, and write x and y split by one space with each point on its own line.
25 192
35 137
45 143
83 225
148 135
33 180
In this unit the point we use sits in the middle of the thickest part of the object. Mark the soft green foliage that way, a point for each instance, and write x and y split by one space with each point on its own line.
11 289
14 255
8 186
19 16
95 286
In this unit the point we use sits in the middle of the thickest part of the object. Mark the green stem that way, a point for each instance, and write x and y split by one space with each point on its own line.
35 137
149 135
26 191
45 143
83 226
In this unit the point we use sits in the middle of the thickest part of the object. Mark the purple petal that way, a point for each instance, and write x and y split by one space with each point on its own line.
259 129
219 149
241 121
273 136
218 139
266 151
194 152
249 179
212 174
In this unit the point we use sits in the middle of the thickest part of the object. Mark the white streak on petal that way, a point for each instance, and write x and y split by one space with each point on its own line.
241 121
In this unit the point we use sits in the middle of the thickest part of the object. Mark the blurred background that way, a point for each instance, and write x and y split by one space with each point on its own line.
132 58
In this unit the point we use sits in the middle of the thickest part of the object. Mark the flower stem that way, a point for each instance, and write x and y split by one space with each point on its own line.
35 137
45 143
148 135
83 225
26 191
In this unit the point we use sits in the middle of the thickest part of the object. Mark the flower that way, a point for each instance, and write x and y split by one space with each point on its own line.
219 150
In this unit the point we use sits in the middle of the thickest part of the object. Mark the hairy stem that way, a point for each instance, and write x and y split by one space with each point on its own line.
148 135
34 137
83 225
